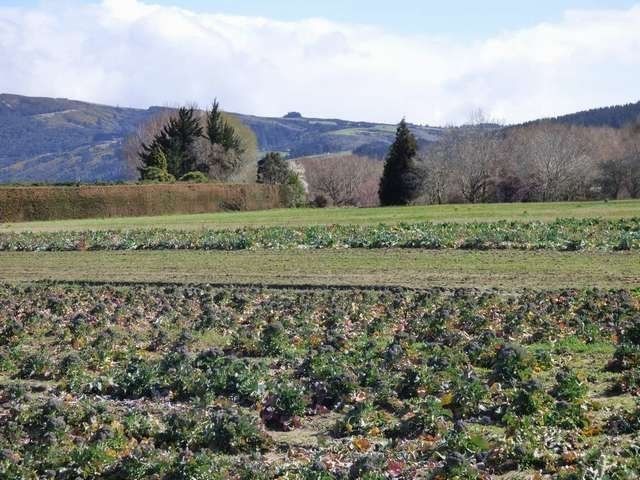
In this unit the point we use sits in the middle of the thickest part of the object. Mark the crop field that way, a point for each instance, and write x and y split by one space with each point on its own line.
208 382
454 342
561 235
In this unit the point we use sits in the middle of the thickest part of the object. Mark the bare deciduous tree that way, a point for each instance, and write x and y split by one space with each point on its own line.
556 160
344 179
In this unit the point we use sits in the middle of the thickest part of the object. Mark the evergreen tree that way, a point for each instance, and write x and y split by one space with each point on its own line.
220 132
273 169
401 180
156 168
215 124
175 141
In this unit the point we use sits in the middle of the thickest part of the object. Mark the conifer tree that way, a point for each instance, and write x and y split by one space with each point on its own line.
176 142
220 132
400 183
273 169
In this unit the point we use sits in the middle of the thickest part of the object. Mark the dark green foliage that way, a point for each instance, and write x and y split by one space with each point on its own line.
284 406
512 364
156 168
295 193
627 355
273 169
220 132
401 180
229 431
157 175
425 417
175 142
569 388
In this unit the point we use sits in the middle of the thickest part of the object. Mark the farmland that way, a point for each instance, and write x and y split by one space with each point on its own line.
506 270
206 382
525 212
324 344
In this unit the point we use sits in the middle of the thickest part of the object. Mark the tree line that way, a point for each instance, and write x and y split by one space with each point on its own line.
480 162
483 162
536 163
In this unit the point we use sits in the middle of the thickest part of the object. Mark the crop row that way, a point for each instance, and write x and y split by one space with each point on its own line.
203 382
563 235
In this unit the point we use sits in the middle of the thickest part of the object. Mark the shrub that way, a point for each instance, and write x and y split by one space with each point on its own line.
512 364
199 466
331 379
627 355
194 177
569 387
467 394
157 175
625 423
229 431
138 379
295 193
320 201
284 406
274 340
36 366
530 399
363 419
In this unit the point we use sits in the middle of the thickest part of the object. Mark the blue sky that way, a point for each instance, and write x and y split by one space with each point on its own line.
470 19
431 62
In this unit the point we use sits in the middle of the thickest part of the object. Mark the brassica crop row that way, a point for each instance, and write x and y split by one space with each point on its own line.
559 235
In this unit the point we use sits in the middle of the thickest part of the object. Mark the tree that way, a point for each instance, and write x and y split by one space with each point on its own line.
176 141
273 169
220 132
212 142
344 179
401 181
295 192
222 149
144 134
155 169
557 159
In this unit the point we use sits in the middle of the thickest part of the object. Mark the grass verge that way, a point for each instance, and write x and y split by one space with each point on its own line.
510 270
350 216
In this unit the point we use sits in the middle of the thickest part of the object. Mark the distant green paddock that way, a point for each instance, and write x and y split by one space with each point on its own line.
355 216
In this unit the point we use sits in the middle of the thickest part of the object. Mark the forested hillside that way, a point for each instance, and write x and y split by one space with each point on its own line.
617 116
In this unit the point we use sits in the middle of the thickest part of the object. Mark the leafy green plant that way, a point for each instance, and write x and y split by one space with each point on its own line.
283 407
512 364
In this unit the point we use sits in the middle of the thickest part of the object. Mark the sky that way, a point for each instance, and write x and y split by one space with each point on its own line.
431 62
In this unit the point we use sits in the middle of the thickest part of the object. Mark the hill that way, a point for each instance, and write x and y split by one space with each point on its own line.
60 140
300 137
616 116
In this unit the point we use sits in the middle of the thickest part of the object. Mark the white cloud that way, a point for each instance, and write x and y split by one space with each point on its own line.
128 52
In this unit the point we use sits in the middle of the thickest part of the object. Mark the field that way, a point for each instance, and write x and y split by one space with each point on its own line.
507 270
351 216
452 342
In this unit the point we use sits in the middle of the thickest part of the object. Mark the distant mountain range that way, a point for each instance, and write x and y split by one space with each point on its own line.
59 140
